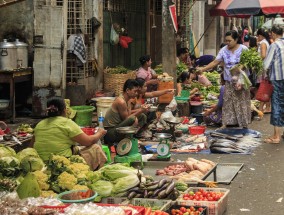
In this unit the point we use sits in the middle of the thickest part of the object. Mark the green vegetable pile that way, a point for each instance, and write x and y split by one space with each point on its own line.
213 90
250 59
181 67
213 77
159 69
118 70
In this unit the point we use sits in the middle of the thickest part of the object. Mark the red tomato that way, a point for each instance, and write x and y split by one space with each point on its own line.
191 197
192 208
186 195
200 209
183 209
210 198
198 193
185 198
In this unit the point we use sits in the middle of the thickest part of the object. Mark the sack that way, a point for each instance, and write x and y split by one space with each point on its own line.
264 91
114 36
94 156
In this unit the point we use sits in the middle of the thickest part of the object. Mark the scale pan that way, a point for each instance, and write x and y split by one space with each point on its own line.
163 135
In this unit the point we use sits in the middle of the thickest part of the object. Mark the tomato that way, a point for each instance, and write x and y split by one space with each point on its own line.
185 198
210 198
198 193
200 209
192 208
183 209
186 195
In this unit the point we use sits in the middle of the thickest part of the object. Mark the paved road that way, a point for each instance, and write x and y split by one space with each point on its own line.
261 181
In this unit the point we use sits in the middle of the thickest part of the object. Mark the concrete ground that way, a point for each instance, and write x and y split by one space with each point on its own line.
259 184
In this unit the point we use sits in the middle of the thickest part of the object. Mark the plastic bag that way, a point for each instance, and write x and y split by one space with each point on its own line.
114 37
173 105
264 92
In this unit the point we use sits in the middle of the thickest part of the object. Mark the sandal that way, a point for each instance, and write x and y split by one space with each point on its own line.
270 140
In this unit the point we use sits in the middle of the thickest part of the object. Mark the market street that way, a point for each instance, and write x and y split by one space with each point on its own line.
258 185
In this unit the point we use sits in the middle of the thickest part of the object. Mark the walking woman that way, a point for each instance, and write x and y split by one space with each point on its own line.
236 104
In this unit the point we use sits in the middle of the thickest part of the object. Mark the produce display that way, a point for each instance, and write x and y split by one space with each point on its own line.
202 195
118 70
213 77
184 210
181 67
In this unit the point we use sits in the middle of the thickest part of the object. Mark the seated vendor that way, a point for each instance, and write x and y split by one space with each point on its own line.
119 114
57 134
183 83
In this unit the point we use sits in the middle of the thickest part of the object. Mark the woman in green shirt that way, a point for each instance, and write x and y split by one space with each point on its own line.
57 134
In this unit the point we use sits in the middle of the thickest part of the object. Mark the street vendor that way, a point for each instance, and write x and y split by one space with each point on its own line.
183 83
136 103
119 114
57 134
147 73
236 105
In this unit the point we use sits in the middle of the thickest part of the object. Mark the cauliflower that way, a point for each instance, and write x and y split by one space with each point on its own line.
42 179
66 181
58 164
77 159
78 169
60 160
48 194
80 187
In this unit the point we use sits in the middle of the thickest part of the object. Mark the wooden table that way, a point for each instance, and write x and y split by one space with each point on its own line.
12 77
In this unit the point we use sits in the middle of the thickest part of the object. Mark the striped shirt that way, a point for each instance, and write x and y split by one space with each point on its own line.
275 60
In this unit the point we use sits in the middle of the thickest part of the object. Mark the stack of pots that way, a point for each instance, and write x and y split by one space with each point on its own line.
13 55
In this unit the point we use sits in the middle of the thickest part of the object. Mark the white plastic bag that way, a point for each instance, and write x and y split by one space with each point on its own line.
114 37
173 105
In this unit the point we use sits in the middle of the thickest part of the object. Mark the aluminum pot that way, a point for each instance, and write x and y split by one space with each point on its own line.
8 55
22 54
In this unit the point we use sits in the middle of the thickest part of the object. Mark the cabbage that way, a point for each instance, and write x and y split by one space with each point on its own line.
113 174
115 171
125 183
103 188
6 151
9 166
31 163
27 152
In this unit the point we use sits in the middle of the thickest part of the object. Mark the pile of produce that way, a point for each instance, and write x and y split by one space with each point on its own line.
181 67
202 195
118 70
159 69
213 77
205 91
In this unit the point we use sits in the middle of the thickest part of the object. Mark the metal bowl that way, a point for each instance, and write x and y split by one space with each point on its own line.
127 130
163 135
173 120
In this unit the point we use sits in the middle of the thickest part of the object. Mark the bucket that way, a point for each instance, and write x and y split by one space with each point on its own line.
196 107
103 106
84 115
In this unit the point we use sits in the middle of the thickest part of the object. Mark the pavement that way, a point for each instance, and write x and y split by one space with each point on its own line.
258 185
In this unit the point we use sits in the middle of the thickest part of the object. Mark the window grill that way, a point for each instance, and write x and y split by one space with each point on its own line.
79 13
124 5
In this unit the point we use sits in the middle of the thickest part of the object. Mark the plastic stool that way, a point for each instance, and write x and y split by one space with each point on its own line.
107 152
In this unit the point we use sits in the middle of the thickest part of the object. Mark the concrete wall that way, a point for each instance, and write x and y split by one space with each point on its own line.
16 21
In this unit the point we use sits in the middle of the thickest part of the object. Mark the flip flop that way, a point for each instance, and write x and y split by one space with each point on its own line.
270 140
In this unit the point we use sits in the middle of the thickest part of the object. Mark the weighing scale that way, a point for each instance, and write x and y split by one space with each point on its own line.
127 149
172 122
163 148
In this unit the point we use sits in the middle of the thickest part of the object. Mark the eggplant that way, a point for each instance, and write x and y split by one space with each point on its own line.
162 194
162 182
145 193
151 183
153 187
157 191
170 188
138 195
131 195
149 194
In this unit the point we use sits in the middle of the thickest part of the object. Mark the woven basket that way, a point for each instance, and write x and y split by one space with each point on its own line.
115 82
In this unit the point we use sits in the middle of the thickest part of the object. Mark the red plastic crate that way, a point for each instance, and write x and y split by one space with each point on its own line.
140 210
194 130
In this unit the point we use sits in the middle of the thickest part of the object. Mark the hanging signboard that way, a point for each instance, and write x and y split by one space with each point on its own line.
172 9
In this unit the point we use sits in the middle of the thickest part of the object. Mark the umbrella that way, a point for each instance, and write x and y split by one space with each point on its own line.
277 21
248 7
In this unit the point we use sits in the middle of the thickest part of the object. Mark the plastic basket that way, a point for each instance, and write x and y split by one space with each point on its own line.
158 204
84 115
59 208
214 207
196 130
59 197
115 200
204 212
185 93
88 131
